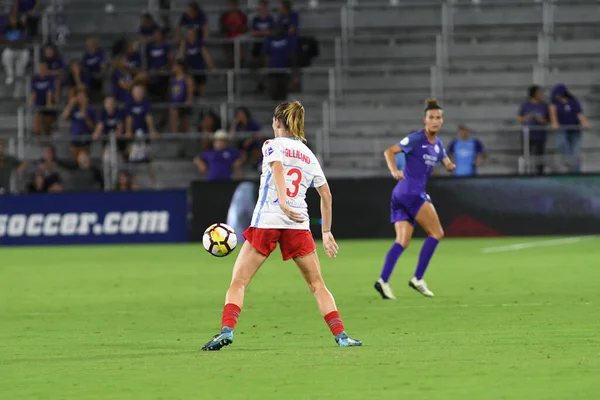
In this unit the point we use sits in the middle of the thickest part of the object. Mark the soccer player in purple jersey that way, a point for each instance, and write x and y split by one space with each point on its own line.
410 203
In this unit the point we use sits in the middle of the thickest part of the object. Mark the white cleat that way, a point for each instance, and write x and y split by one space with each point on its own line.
384 289
420 286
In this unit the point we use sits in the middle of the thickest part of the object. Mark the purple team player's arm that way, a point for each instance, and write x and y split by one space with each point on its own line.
390 159
446 161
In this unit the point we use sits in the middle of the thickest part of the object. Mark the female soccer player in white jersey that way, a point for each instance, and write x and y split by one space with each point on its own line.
281 216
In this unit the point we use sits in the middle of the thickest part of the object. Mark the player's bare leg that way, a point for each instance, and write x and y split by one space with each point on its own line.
310 269
428 219
246 265
404 232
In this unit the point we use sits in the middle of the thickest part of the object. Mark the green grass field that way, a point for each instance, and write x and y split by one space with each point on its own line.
128 322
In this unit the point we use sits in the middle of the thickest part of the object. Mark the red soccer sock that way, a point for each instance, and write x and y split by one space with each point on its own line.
231 313
334 321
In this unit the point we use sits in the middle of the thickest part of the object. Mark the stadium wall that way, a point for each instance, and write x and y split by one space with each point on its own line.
468 207
94 218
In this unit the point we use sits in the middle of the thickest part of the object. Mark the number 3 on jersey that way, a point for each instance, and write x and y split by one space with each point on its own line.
296 175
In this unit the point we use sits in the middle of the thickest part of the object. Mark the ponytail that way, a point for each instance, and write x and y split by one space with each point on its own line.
291 116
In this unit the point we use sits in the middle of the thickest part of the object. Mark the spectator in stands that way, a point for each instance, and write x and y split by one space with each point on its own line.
262 27
234 23
196 57
193 18
467 153
85 177
77 78
125 182
42 95
27 9
209 124
110 121
139 125
9 165
567 118
94 62
534 116
83 122
49 167
133 59
56 68
220 163
288 17
181 97
147 28
243 123
15 55
160 62
123 80
279 51
37 184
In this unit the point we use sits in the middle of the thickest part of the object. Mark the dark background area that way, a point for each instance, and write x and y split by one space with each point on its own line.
472 207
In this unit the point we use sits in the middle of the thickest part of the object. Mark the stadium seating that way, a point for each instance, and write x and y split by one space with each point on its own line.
382 62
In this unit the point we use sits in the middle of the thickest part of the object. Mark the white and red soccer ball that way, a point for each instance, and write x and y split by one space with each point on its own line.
219 240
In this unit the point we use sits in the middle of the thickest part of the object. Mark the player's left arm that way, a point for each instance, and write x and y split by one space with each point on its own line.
447 162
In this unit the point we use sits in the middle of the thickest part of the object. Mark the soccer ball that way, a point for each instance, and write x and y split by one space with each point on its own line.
219 240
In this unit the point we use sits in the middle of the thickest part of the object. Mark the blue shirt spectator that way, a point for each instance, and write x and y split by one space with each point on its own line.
193 18
220 163
467 153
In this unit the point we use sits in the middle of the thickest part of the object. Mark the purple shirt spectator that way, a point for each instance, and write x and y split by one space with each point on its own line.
54 63
158 55
110 121
78 125
93 62
196 23
41 86
122 95
220 163
134 60
292 19
266 23
138 112
26 5
529 110
280 51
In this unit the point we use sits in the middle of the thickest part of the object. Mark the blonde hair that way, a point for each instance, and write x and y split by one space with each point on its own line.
291 116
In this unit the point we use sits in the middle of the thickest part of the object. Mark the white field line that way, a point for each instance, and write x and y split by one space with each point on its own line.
539 243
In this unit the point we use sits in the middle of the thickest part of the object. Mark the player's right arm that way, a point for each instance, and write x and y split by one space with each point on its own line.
390 160
273 156
279 179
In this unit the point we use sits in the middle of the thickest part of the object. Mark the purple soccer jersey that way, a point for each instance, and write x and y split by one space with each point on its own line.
421 156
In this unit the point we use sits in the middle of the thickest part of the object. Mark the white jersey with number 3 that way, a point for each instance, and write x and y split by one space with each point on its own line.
301 169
